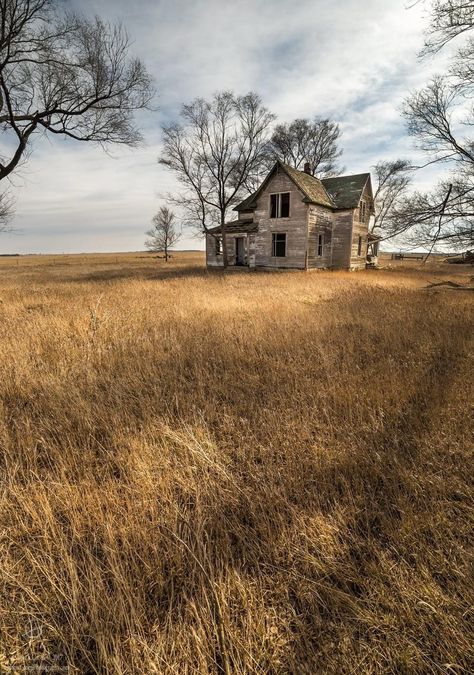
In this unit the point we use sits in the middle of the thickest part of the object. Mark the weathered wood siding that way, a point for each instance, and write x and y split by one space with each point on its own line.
213 260
320 221
251 249
245 215
295 227
360 229
341 239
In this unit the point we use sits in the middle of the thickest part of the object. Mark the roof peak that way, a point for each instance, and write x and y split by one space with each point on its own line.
311 186
346 175
335 192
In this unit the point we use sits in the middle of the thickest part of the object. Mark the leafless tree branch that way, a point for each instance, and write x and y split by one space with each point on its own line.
213 151
304 141
64 74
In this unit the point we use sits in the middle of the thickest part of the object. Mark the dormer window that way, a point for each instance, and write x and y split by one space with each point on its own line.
280 205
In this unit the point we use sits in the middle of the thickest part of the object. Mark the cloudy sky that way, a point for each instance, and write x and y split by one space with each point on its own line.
350 60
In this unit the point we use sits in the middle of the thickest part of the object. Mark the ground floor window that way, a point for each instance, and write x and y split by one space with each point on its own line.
279 245
359 246
218 246
320 244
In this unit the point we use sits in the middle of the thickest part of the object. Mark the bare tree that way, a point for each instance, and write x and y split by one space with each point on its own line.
443 217
440 117
449 18
430 115
195 214
64 74
217 146
6 211
305 141
164 235
392 181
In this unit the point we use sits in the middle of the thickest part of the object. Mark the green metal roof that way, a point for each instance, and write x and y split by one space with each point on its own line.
346 191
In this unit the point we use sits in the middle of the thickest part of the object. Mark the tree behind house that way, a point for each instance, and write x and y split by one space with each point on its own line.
304 141
392 180
218 145
164 234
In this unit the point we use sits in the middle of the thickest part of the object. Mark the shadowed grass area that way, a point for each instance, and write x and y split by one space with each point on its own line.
241 473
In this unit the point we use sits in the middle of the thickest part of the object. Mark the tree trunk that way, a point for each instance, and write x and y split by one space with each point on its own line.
225 258
166 253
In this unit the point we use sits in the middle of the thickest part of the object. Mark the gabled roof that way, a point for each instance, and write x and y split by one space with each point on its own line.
341 192
236 226
311 187
346 191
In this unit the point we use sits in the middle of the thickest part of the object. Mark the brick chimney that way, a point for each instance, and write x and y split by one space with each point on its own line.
307 168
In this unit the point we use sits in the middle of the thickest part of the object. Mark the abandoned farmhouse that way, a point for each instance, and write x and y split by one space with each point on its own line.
295 220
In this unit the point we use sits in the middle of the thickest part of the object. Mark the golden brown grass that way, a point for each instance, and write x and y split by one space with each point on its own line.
241 473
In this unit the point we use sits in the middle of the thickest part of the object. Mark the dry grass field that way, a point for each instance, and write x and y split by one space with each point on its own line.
240 473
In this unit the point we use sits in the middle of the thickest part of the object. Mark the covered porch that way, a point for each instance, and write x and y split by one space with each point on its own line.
240 243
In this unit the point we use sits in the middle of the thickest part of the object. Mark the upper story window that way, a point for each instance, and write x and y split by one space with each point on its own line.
362 211
280 205
279 245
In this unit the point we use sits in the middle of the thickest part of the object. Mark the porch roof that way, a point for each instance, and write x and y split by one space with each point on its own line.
236 226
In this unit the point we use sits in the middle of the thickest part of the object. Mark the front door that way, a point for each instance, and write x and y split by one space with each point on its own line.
240 251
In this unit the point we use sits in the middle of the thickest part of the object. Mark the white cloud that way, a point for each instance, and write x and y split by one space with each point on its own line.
353 61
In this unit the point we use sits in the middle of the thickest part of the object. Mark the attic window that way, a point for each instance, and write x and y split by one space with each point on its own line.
362 211
280 205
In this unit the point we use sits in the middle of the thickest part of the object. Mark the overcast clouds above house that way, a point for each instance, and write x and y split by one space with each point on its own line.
352 61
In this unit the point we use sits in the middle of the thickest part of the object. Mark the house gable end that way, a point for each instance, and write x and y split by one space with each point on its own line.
311 188
292 229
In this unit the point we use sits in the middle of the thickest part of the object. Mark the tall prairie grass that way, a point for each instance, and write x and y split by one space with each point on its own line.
241 473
